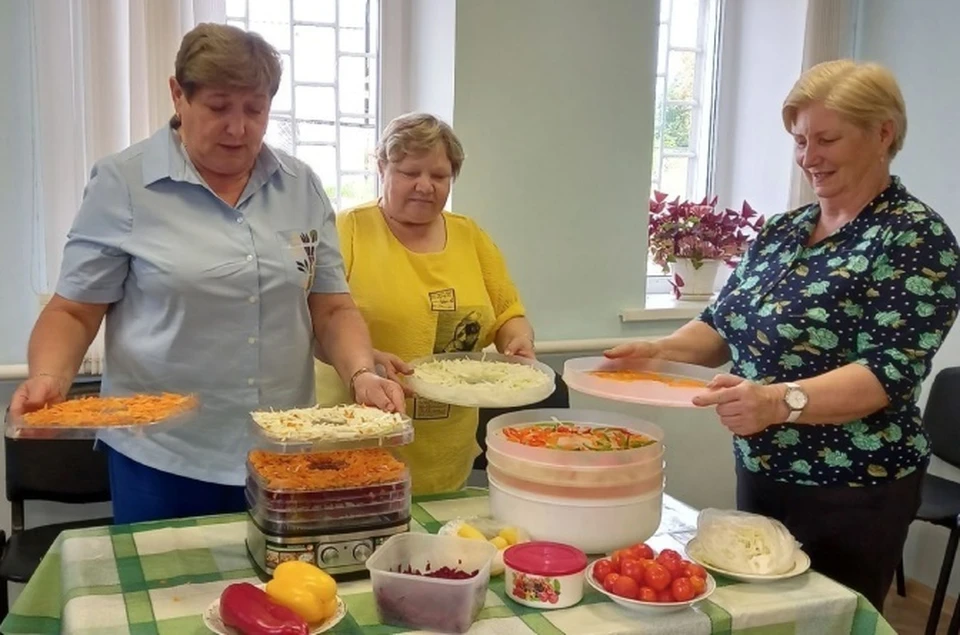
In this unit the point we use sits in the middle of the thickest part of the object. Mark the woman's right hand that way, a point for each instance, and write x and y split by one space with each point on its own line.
633 350
35 393
394 367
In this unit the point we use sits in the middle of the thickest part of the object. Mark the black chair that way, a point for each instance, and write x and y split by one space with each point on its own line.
941 497
559 398
58 470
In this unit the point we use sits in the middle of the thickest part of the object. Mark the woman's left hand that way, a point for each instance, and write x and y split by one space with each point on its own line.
521 346
371 389
744 407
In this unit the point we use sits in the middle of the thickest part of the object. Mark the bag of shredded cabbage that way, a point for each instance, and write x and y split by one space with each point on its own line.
741 542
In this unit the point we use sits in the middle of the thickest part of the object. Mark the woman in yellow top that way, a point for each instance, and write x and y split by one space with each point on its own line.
427 282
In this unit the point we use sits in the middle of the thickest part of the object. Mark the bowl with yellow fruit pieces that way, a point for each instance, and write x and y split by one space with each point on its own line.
496 533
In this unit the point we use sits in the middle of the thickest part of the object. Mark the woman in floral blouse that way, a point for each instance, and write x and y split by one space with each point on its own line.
831 322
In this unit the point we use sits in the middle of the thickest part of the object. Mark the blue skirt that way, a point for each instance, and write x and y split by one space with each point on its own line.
140 493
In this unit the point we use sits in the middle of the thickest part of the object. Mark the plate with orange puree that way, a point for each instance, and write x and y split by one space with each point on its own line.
652 382
83 417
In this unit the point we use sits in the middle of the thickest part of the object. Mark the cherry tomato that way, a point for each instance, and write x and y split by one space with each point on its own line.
669 554
693 570
601 569
682 589
656 577
632 569
665 596
673 566
699 585
609 581
618 556
646 594
642 551
626 587
646 562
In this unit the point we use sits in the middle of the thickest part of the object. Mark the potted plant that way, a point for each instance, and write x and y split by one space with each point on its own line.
693 239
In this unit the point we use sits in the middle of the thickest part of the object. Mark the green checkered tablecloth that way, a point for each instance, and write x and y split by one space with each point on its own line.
157 578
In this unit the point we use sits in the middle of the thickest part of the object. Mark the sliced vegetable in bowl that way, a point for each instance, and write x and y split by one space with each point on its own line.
559 435
745 543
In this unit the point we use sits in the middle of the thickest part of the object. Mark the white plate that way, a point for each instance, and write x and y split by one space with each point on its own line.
800 566
469 396
657 608
211 618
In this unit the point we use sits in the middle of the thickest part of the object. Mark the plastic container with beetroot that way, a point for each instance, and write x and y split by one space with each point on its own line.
429 582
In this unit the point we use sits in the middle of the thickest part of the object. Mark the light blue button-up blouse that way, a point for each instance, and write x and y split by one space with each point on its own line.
204 298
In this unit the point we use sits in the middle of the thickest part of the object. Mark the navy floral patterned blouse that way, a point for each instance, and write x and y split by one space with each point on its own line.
881 291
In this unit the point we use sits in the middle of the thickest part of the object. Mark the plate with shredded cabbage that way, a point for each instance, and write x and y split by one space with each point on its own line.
746 547
347 426
481 380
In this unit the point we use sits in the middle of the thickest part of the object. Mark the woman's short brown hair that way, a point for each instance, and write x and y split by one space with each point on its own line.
866 94
415 133
223 56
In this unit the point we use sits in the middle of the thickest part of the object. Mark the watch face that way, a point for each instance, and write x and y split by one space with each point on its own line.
796 399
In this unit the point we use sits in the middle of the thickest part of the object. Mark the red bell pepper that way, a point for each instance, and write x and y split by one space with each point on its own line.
249 610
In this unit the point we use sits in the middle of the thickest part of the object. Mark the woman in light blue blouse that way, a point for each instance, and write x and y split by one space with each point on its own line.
215 261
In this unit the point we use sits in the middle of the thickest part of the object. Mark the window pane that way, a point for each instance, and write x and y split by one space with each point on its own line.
682 68
240 24
354 12
358 84
356 149
655 169
662 43
315 10
316 132
674 181
684 22
280 134
283 99
356 189
676 127
658 113
236 8
315 103
356 41
664 10
271 19
314 51
323 160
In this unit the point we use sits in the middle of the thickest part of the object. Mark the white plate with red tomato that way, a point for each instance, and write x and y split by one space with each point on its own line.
642 580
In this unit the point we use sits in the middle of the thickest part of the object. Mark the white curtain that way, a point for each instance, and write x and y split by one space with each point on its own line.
100 84
828 35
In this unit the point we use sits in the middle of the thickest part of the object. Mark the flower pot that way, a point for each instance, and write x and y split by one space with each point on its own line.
694 283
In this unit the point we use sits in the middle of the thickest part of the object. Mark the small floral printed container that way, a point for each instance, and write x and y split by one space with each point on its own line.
544 575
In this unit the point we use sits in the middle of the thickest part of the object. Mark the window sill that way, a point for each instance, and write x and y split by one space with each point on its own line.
663 306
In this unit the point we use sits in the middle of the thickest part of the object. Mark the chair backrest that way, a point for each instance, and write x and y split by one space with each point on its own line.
60 470
941 417
560 398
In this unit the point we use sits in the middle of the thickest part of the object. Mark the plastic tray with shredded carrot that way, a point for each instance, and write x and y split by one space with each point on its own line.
338 473
84 416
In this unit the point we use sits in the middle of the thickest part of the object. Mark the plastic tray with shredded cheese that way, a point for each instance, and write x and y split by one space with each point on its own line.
343 427
84 417
481 380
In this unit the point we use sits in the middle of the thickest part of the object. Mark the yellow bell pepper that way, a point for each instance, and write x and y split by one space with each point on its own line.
305 589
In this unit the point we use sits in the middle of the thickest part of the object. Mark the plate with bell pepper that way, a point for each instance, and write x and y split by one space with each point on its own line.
301 599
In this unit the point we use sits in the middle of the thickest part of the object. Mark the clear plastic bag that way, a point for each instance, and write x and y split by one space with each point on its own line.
741 542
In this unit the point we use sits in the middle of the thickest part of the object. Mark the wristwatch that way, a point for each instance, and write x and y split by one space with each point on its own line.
796 400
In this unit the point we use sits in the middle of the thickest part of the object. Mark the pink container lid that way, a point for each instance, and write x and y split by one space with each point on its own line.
545 558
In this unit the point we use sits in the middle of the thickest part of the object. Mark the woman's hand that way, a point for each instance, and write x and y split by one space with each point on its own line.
632 350
371 389
394 367
521 346
35 393
744 407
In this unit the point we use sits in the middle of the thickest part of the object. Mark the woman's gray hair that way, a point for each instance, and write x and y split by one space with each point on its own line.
223 56
416 133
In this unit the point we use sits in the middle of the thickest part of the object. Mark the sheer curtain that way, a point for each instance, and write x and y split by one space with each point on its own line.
100 84
828 35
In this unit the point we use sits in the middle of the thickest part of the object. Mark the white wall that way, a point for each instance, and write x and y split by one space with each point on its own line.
917 40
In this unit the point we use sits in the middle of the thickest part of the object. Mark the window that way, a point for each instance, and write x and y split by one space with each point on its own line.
684 109
326 112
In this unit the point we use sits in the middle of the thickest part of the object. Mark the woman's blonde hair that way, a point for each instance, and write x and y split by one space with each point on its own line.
415 133
223 56
866 94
